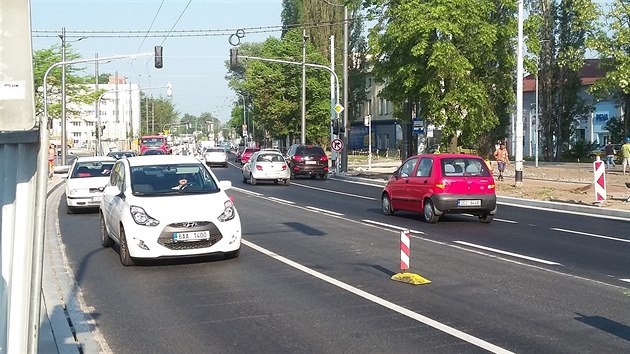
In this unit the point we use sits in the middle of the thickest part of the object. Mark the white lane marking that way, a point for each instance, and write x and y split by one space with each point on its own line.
590 235
335 192
392 226
507 253
382 302
371 184
506 221
247 191
281 200
563 211
495 219
324 211
626 280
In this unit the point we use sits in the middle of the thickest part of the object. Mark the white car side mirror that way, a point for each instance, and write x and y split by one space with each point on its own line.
225 185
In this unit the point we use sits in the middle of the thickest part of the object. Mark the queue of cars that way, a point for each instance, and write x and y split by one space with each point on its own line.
150 206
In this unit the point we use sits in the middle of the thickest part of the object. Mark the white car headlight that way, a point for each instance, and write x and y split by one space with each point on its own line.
141 217
228 212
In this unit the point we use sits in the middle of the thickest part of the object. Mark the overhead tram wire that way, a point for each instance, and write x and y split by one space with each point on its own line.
182 33
150 27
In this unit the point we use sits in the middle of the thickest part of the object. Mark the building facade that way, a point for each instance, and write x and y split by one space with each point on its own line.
119 112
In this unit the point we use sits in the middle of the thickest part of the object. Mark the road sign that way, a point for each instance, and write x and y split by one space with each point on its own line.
336 144
338 108
418 126
600 180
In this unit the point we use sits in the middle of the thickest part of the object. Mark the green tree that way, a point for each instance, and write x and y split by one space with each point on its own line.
155 114
557 33
613 45
272 92
43 59
454 58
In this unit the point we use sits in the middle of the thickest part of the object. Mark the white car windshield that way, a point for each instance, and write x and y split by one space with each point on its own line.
92 169
171 180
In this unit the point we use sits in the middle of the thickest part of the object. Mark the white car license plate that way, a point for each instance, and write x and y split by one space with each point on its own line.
468 202
191 236
97 199
311 162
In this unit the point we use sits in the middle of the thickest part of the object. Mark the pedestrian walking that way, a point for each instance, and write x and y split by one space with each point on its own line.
625 151
503 159
52 153
610 155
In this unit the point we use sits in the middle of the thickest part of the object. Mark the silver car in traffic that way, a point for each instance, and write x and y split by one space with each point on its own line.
266 165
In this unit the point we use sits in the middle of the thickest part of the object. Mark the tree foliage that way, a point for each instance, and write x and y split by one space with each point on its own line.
455 58
612 43
557 32
272 91
43 59
155 114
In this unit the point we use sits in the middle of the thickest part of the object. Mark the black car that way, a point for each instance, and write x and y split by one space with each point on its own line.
121 154
309 160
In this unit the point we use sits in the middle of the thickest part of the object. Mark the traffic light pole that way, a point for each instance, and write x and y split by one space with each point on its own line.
338 107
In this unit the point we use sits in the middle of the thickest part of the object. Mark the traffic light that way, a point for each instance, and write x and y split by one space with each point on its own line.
158 57
233 58
338 127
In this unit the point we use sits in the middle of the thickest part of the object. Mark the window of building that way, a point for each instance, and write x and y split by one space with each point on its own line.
76 134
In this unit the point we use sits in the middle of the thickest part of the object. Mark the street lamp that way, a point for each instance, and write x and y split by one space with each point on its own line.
64 139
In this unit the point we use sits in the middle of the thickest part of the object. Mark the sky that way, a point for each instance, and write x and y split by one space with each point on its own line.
194 65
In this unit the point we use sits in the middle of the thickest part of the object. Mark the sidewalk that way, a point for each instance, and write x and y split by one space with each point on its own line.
55 332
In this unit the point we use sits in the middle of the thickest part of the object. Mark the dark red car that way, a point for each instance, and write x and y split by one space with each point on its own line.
247 153
436 184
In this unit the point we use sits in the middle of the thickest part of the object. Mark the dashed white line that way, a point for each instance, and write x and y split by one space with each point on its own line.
507 253
324 211
392 226
335 192
382 302
247 191
626 280
590 235
281 200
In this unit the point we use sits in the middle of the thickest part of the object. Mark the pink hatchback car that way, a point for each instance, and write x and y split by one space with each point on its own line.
442 183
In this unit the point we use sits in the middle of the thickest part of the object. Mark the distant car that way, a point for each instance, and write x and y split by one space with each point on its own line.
153 152
239 152
215 156
168 207
247 153
266 165
86 180
121 154
437 184
310 160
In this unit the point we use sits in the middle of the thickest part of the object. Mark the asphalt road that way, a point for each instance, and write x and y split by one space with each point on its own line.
314 276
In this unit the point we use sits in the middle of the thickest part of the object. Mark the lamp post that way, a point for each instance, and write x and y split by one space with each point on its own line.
518 175
64 139
303 134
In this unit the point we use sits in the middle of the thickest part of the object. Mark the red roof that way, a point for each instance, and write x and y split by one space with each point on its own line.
589 73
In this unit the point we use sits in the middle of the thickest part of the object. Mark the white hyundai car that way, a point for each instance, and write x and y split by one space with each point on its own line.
168 206
86 180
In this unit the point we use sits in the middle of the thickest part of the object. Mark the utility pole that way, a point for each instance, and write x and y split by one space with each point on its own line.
346 132
130 119
303 136
518 175
97 150
64 139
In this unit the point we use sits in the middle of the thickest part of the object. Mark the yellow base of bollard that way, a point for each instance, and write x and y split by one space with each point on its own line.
410 278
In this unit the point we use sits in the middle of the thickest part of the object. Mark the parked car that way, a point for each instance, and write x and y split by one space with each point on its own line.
215 156
86 181
168 206
310 160
247 153
266 165
239 152
121 154
437 184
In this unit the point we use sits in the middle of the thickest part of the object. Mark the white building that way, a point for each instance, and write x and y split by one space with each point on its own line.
119 114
